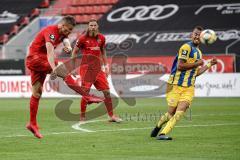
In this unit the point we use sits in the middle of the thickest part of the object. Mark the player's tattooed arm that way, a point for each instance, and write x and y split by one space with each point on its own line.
56 70
50 55
183 65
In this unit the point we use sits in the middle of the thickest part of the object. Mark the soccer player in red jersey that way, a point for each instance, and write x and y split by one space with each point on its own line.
94 61
40 61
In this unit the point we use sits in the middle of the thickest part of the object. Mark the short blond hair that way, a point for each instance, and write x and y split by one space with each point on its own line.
69 20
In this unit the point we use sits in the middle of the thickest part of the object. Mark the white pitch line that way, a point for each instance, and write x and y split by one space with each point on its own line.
57 133
213 114
11 136
77 127
209 125
121 129
187 126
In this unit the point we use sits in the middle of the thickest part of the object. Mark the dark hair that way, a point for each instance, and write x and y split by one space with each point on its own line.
69 20
200 28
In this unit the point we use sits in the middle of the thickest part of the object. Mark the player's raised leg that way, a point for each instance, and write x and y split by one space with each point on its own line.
62 72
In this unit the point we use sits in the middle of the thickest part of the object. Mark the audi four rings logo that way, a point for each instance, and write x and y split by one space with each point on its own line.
142 13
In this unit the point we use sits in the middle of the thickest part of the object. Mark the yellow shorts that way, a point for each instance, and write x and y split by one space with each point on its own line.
177 94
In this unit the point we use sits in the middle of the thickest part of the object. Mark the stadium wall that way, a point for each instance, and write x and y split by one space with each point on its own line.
155 27
207 85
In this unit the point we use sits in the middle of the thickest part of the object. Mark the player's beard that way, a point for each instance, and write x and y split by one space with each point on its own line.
196 42
93 33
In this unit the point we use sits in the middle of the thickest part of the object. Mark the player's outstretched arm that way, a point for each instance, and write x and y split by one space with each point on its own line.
182 65
207 66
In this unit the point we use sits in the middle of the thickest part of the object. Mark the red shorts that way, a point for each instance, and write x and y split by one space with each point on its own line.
96 78
39 67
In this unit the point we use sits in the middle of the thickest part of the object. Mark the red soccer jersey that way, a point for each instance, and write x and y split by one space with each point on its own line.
48 34
91 51
37 57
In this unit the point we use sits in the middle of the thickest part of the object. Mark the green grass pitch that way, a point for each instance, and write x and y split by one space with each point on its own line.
213 132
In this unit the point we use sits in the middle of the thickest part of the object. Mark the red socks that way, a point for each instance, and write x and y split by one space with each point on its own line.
73 85
34 102
108 104
83 107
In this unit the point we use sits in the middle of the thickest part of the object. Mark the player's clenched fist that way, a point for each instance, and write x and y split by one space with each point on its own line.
213 61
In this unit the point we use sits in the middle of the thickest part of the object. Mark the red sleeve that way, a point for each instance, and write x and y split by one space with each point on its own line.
80 42
49 36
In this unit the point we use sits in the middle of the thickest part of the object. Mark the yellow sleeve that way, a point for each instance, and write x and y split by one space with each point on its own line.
184 52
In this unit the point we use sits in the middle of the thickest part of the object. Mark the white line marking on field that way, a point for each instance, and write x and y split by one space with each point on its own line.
213 114
77 127
11 136
115 130
187 126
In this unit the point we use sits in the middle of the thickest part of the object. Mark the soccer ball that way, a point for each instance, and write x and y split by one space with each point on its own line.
208 36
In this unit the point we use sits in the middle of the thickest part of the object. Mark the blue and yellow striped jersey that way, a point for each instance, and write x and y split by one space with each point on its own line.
186 78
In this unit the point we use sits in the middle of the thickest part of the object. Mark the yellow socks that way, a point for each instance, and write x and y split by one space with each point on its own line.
164 118
172 122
